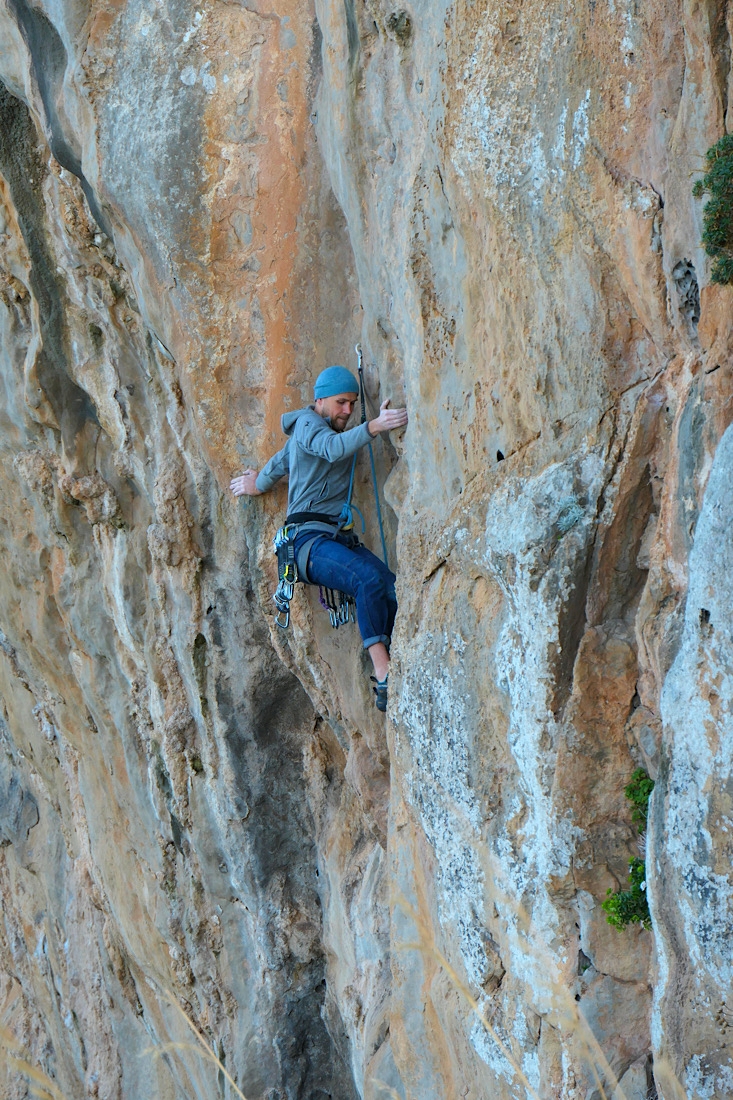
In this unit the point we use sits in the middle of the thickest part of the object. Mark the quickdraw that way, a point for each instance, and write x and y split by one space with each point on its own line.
287 574
340 607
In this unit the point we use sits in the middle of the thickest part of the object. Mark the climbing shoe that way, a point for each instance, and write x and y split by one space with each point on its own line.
380 690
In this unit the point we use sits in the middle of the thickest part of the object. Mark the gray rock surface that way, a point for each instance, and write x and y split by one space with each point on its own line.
204 823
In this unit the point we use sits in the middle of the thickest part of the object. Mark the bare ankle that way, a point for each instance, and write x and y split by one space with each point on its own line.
380 660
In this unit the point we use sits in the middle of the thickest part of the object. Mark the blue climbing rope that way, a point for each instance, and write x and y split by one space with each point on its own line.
346 518
362 396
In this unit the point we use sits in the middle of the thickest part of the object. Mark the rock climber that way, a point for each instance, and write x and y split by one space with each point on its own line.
317 459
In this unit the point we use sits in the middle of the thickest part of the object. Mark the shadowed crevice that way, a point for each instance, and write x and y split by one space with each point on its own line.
266 753
22 166
352 33
49 63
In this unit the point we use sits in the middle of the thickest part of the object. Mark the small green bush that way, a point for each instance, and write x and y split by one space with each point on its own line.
717 236
638 792
631 906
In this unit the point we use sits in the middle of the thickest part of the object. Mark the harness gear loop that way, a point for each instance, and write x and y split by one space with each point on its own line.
287 573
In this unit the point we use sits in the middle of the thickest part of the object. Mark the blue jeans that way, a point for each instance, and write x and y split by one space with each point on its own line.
339 564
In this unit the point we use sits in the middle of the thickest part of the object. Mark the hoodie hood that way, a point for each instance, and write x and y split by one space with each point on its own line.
288 420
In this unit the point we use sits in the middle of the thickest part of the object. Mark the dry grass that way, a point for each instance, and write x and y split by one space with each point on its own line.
39 1083
566 1012
200 1046
43 1088
568 1016
427 946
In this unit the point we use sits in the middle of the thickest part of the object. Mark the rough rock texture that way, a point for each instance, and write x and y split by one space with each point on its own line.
205 820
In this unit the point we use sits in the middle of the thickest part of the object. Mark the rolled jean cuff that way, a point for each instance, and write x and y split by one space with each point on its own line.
378 638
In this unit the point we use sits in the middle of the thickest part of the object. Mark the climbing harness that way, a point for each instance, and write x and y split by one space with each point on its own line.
340 606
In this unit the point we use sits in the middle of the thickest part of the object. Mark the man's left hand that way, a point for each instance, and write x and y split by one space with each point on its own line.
388 419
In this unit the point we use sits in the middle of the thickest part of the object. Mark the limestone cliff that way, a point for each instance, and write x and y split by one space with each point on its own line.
203 821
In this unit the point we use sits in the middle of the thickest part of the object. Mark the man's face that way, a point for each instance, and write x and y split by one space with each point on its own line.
338 409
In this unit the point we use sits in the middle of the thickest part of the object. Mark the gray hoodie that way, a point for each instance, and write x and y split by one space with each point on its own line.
317 460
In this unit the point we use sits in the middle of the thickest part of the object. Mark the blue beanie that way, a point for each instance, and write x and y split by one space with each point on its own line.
335 380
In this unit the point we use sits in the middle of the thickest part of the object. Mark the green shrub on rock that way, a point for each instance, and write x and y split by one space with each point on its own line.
717 236
629 906
624 907
638 793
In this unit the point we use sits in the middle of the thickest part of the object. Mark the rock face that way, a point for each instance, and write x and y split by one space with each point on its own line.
204 824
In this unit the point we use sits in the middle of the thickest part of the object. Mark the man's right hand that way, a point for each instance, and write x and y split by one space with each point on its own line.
388 419
245 485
